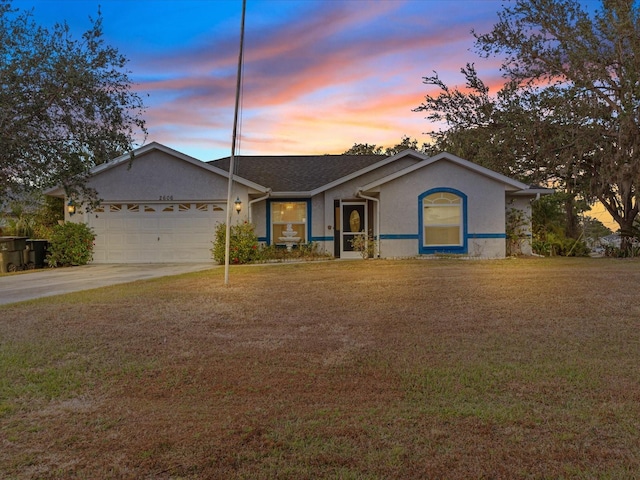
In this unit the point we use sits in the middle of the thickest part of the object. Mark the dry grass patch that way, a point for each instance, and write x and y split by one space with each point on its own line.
376 369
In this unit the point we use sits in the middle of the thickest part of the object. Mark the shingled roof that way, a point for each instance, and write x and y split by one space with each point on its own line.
296 173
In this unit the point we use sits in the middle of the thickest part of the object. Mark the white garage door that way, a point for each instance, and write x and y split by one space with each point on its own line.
155 232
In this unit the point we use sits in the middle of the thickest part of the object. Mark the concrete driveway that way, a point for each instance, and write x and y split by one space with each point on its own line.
56 281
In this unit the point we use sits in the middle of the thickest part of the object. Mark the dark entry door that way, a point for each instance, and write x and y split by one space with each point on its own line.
353 225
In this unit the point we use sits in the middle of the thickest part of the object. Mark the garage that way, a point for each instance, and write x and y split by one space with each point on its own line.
155 232
157 205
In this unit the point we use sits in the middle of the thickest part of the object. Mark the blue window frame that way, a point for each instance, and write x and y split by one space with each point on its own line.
284 212
442 218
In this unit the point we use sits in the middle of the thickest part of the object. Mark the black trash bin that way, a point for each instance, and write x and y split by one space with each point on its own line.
37 250
12 253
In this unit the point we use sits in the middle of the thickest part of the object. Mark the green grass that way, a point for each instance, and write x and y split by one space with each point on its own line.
39 371
367 369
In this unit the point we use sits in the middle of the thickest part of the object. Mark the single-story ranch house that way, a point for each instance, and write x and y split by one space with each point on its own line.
164 205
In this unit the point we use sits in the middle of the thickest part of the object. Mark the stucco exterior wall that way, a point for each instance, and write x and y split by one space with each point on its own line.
347 191
259 219
485 207
523 230
321 206
159 180
157 176
479 247
317 217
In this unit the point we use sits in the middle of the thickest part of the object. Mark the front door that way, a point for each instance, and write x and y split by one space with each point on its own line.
353 228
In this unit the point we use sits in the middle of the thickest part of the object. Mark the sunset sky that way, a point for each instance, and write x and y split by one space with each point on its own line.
319 76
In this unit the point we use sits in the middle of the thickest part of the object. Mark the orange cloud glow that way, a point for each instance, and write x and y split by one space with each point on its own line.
319 75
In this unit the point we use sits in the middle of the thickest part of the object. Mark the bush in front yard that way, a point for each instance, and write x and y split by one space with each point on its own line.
243 243
71 244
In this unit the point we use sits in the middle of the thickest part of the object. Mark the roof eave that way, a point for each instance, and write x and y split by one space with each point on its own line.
291 194
368 169
182 156
55 192
98 169
508 182
365 170
532 192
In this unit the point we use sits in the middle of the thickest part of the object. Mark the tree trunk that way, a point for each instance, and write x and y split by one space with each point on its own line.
626 236
624 217
571 219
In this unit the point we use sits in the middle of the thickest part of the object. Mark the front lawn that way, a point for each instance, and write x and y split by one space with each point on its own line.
524 368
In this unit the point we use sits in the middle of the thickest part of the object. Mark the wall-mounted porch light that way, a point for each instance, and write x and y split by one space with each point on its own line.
71 208
238 205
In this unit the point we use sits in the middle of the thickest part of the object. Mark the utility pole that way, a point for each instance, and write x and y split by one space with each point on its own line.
233 147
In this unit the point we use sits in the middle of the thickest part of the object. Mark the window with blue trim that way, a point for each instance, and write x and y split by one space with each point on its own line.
442 220
290 216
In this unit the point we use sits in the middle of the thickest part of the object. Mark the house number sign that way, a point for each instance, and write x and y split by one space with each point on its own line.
166 197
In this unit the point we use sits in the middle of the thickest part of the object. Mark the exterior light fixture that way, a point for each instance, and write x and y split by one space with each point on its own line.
71 208
238 205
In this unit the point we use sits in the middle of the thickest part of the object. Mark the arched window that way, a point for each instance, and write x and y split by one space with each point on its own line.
442 221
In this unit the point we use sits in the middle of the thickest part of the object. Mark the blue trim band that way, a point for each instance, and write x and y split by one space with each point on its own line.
444 249
487 235
322 239
415 236
398 236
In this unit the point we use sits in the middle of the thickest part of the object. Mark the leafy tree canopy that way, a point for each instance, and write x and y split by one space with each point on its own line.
569 112
373 149
65 104
594 228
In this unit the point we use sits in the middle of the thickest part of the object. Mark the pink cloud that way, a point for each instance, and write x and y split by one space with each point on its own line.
340 74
